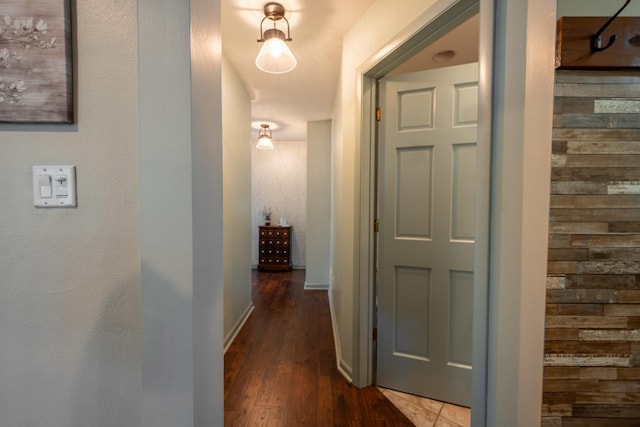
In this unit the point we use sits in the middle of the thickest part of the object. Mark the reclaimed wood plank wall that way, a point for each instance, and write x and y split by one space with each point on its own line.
592 334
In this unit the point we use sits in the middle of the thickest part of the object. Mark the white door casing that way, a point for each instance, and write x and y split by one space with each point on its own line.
428 136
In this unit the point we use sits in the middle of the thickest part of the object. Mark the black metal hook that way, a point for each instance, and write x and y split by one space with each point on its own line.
596 39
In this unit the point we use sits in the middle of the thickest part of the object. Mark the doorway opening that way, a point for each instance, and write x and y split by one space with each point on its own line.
410 56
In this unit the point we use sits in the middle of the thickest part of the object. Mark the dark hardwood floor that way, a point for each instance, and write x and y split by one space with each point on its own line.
281 368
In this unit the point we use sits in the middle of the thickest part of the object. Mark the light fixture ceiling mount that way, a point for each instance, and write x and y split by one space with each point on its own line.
275 56
275 12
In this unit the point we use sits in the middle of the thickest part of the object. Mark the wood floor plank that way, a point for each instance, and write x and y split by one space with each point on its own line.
281 368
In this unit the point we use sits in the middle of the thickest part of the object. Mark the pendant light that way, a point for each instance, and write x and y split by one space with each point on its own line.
275 56
264 138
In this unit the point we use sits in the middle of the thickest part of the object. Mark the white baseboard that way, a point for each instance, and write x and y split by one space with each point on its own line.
343 367
237 327
316 286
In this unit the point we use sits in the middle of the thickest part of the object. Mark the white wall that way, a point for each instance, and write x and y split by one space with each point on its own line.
182 238
279 178
318 204
236 166
70 330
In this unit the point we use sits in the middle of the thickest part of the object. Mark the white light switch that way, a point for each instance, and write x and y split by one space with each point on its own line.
45 186
54 186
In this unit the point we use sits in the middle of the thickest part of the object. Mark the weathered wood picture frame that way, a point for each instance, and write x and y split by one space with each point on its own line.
36 62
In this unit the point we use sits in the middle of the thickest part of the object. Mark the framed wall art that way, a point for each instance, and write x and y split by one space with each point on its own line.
36 62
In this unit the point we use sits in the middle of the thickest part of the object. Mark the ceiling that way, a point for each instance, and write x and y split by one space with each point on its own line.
307 93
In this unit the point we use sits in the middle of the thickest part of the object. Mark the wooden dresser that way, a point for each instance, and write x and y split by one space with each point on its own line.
274 244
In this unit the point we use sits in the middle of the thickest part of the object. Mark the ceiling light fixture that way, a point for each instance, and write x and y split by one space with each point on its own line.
275 56
444 56
264 138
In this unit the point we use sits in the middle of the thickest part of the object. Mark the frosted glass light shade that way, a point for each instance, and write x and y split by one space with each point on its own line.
264 143
275 56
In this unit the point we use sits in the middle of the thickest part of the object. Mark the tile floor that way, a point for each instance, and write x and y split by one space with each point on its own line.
429 413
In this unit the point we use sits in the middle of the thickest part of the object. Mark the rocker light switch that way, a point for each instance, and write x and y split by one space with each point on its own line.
45 186
54 186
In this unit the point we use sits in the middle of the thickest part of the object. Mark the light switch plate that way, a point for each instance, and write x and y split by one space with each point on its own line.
54 186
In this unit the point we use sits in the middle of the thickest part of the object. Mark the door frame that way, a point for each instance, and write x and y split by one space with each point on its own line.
509 297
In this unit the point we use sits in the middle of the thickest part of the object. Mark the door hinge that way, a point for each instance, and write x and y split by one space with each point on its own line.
376 225
378 114
375 334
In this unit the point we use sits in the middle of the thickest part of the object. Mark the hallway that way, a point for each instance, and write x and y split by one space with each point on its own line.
281 368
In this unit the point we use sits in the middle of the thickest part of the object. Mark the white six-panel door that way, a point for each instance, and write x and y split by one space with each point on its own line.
427 187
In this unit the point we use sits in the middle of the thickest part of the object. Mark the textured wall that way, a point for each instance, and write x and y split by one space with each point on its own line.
279 180
70 332
592 351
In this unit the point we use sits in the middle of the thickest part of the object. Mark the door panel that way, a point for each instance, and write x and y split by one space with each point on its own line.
427 212
414 204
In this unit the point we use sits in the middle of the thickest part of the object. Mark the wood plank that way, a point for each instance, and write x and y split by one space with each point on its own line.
582 302
579 227
600 398
629 373
622 310
602 161
595 201
624 227
560 410
584 296
586 322
630 296
595 174
562 334
607 267
556 282
623 187
606 241
563 105
616 106
602 281
599 373
592 215
599 422
603 147
558 241
566 134
564 267
568 254
563 373
598 90
627 254
572 187
608 411
559 147
558 398
570 385
609 335
583 121
597 76
563 359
